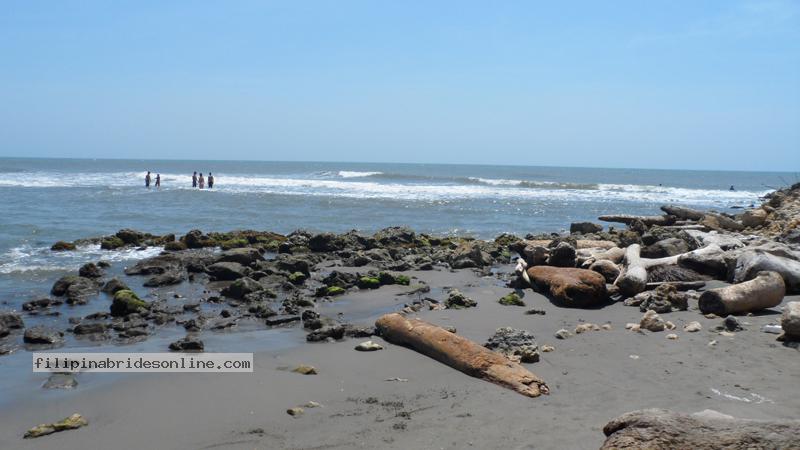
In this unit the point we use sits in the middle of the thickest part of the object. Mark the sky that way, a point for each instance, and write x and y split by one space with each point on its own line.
655 84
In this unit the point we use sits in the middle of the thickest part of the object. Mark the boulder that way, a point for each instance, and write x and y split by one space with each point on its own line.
535 255
709 260
606 268
790 321
751 262
43 335
664 248
563 255
325 333
11 320
196 239
664 299
470 255
155 265
226 271
79 289
719 222
584 228
127 302
651 321
165 279
517 345
241 287
754 218
89 328
188 344
62 246
111 243
40 303
246 256
293 264
130 237
395 236
569 286
113 285
457 300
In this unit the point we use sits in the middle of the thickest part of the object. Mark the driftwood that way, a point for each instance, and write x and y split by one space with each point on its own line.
582 243
682 212
660 429
764 291
633 278
647 220
460 353
718 221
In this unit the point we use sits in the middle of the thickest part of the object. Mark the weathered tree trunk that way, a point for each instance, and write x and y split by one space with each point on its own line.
633 278
764 291
582 243
682 212
460 353
647 220
660 429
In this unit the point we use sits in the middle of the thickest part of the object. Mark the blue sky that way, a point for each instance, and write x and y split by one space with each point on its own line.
672 84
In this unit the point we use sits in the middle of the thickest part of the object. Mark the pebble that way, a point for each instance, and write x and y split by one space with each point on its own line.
563 334
548 348
368 346
295 412
305 370
312 404
692 327
672 336
712 343
606 326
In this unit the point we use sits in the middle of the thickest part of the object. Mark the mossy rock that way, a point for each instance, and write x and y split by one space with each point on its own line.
402 280
388 278
234 243
334 290
127 302
62 246
175 246
297 278
369 283
111 243
511 299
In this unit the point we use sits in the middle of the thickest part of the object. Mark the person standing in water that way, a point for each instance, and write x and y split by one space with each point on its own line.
158 180
210 180
194 179
147 180
200 181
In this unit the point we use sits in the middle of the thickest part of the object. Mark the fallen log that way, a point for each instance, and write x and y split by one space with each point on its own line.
766 290
660 429
647 220
460 353
683 212
633 278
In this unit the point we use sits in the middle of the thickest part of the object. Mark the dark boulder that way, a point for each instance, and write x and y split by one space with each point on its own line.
563 255
226 271
664 248
90 328
40 303
325 333
62 246
242 287
127 302
584 228
293 264
130 237
90 270
43 335
245 256
165 279
113 285
470 255
11 320
395 236
155 265
187 344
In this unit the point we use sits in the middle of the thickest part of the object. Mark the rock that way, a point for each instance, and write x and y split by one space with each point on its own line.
127 302
40 303
754 218
607 269
297 278
43 335
750 263
730 323
563 255
245 256
89 328
535 255
535 311
62 284
563 334
295 412
672 336
242 287
62 246
584 228
369 283
196 239
457 300
70 423
723 241
293 264
570 287
190 343
664 248
61 381
90 270
4 331
548 348
663 299
305 370
328 332
719 222
651 321
517 345
226 271
130 237
387 278
709 260
395 236
659 429
111 243
511 299
281 320
79 291
11 320
156 265
359 331
470 255
584 327
692 327
114 285
368 346
175 246
790 321
165 279
342 280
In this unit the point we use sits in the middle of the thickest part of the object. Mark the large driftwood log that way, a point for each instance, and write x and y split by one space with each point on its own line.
764 291
582 243
633 278
647 220
683 212
460 353
660 429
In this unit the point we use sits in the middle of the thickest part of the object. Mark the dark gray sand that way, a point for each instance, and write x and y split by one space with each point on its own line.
593 377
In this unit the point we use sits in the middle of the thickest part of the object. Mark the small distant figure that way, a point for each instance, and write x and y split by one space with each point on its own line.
731 189
158 180
210 180
147 180
201 182
194 179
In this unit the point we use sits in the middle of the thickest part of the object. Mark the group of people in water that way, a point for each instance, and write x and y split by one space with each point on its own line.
197 181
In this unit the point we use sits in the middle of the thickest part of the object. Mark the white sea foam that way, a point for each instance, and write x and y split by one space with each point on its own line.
355 174
436 189
26 258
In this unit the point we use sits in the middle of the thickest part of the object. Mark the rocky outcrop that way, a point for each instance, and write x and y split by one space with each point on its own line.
570 287
226 271
11 320
243 256
516 345
43 335
584 228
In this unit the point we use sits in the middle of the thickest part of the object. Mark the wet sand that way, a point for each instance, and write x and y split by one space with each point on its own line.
593 377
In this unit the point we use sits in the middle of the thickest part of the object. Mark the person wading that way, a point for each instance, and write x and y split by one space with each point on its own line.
194 180
147 180
201 182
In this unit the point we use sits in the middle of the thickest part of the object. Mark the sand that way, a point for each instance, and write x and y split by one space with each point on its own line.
593 377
